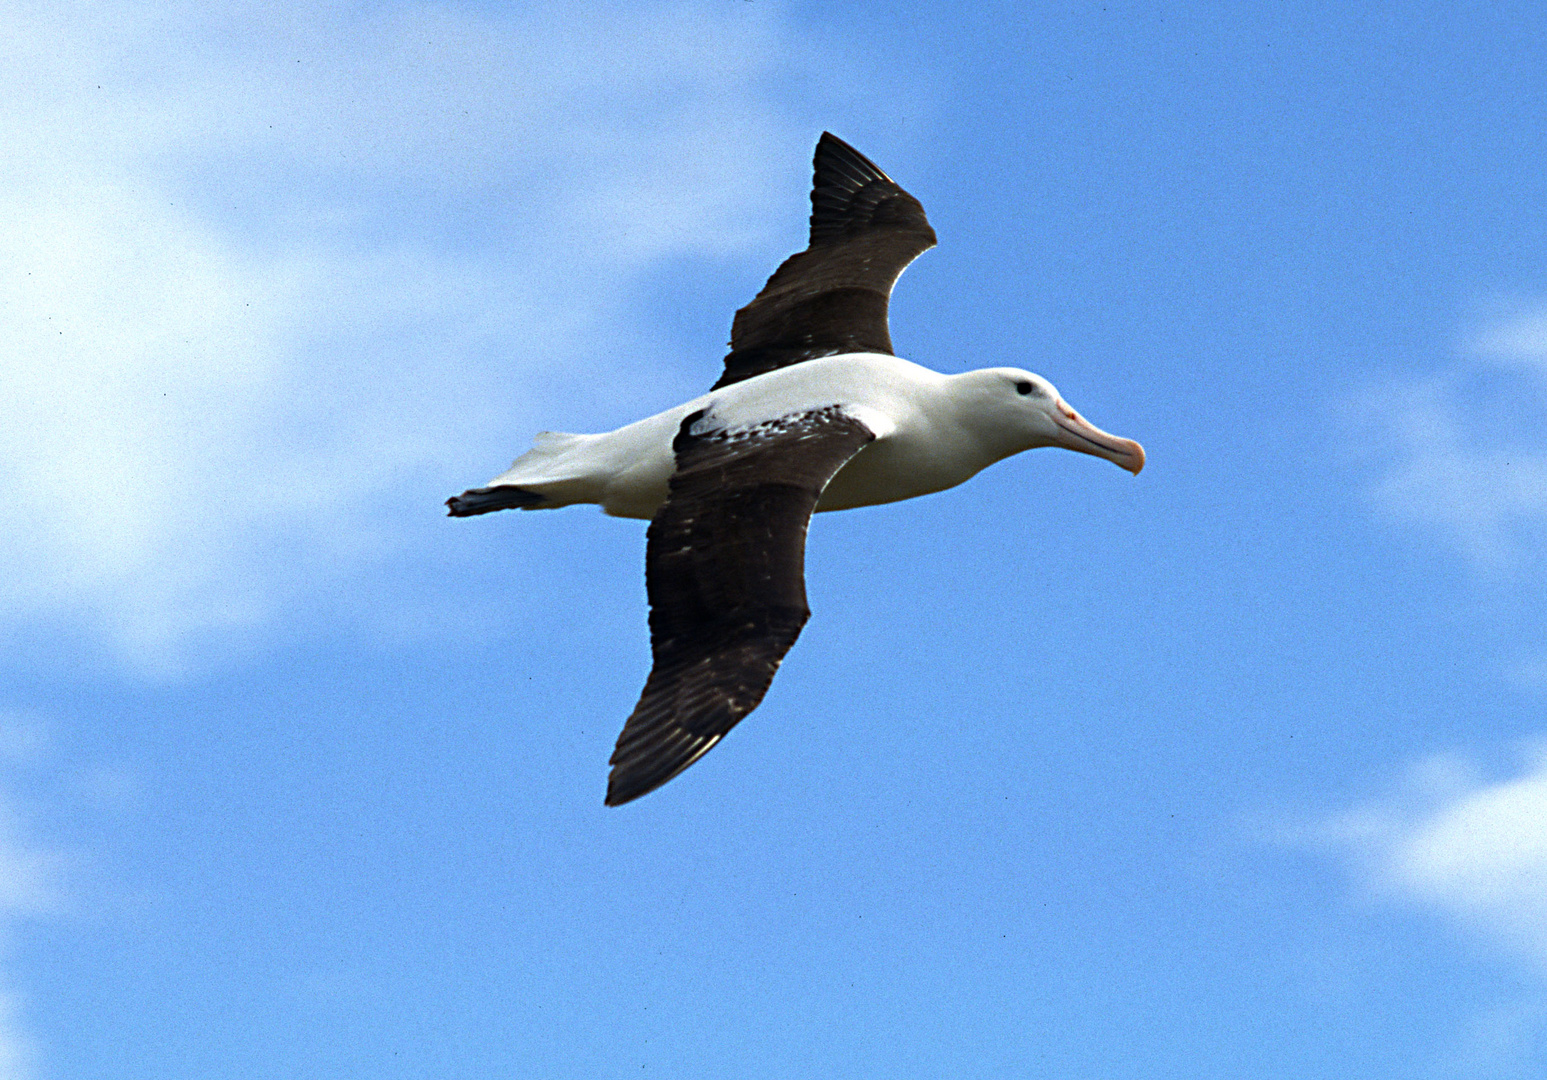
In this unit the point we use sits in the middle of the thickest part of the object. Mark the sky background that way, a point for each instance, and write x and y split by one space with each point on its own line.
1238 768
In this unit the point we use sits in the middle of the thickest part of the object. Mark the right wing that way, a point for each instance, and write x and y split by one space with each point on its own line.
725 572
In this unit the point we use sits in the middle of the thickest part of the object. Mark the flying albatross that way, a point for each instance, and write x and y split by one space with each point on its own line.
813 412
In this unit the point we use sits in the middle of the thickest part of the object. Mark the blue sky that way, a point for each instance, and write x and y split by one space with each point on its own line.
1237 768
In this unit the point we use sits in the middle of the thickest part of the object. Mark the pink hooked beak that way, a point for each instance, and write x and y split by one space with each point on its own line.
1089 439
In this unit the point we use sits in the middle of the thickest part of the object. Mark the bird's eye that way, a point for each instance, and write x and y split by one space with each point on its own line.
1023 387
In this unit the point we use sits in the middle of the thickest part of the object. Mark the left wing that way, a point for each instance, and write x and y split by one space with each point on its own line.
725 571
832 298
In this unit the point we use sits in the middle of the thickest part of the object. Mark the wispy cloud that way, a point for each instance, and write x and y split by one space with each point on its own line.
1464 845
252 261
1472 850
29 890
1463 458
31 884
1518 337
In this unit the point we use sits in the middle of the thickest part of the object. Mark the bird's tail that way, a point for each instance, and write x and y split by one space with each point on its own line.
487 499
546 476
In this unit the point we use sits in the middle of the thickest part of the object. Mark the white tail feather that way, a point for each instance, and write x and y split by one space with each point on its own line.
558 465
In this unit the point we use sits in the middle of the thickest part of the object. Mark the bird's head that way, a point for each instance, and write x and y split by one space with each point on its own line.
1027 411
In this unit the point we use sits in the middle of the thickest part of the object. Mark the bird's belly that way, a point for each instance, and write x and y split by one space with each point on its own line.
889 471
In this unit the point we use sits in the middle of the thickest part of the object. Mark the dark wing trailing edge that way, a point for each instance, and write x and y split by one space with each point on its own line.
832 297
725 570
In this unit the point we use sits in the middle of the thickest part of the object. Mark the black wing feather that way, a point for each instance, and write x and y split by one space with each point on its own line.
832 297
725 572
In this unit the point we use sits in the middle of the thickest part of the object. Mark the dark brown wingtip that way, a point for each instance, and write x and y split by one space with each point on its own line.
618 796
626 782
635 778
850 192
831 151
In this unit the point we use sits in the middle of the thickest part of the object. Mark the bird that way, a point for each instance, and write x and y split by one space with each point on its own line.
813 412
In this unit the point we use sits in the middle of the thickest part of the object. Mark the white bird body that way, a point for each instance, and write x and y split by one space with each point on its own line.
932 431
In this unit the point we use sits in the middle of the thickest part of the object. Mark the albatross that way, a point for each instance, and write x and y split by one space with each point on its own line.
813 412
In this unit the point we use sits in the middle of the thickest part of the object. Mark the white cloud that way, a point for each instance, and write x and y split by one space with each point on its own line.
1471 850
1462 454
256 263
1455 842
